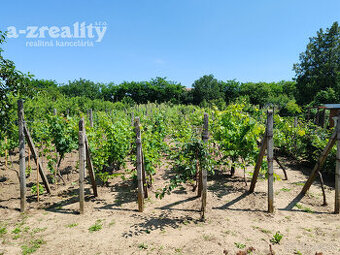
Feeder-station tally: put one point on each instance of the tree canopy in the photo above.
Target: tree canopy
(319, 66)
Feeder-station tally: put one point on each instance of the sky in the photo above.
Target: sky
(182, 40)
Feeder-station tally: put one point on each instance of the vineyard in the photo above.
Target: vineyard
(163, 170)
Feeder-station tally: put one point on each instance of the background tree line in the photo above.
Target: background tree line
(316, 81)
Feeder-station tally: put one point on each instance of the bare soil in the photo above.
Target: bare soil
(235, 220)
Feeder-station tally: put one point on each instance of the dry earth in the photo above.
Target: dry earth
(235, 221)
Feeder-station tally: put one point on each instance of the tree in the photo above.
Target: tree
(12, 83)
(231, 89)
(319, 67)
(82, 87)
(207, 88)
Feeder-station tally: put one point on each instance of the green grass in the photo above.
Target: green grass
(32, 247)
(142, 246)
(240, 245)
(304, 208)
(72, 225)
(96, 227)
(285, 189)
(3, 231)
(37, 230)
(17, 230)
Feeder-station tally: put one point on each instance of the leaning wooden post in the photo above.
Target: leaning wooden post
(270, 155)
(205, 137)
(139, 166)
(6, 154)
(258, 163)
(82, 164)
(22, 156)
(54, 111)
(319, 164)
(337, 169)
(91, 118)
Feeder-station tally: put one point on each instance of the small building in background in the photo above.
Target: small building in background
(334, 112)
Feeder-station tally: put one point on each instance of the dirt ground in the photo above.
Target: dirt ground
(235, 220)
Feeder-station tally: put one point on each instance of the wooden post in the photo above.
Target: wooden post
(322, 118)
(317, 117)
(308, 114)
(22, 156)
(205, 137)
(91, 118)
(132, 118)
(67, 112)
(258, 163)
(82, 164)
(36, 158)
(139, 166)
(90, 168)
(145, 185)
(37, 183)
(337, 169)
(319, 163)
(56, 153)
(6, 154)
(270, 155)
(29, 159)
(295, 122)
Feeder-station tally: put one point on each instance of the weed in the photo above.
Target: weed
(178, 251)
(16, 237)
(240, 245)
(96, 227)
(276, 238)
(112, 222)
(142, 246)
(304, 208)
(72, 225)
(37, 230)
(32, 247)
(297, 252)
(285, 189)
(208, 237)
(17, 230)
(3, 231)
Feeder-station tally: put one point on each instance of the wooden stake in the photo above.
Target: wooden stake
(145, 185)
(258, 163)
(29, 159)
(37, 183)
(82, 164)
(323, 189)
(281, 166)
(270, 154)
(6, 154)
(204, 174)
(91, 118)
(319, 163)
(54, 111)
(337, 169)
(22, 156)
(90, 168)
(36, 158)
(132, 118)
(139, 166)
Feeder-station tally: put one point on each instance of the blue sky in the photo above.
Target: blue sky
(182, 40)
